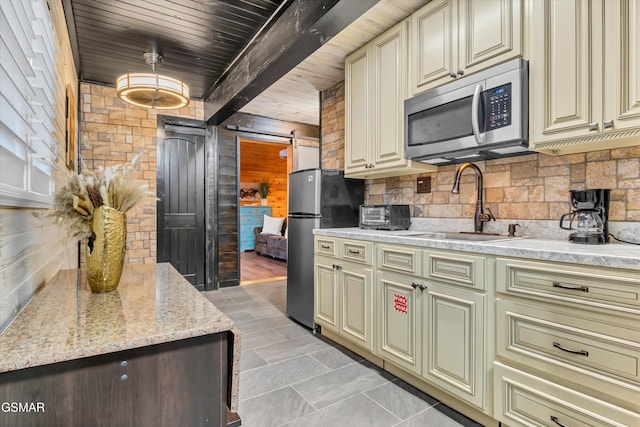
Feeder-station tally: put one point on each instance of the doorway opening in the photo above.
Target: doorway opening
(263, 258)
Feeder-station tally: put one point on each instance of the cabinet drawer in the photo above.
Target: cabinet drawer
(601, 351)
(522, 399)
(400, 258)
(361, 252)
(326, 246)
(569, 283)
(456, 268)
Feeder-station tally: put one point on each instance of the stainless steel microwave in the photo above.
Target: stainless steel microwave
(478, 117)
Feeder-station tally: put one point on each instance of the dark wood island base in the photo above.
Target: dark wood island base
(74, 378)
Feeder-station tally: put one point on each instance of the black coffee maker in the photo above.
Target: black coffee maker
(590, 217)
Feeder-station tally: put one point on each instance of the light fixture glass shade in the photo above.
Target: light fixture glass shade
(150, 90)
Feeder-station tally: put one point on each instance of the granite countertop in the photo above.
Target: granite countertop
(153, 304)
(616, 255)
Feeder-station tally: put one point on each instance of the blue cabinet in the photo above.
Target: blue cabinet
(250, 217)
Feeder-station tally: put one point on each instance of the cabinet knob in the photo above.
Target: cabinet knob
(608, 124)
(416, 285)
(460, 72)
(124, 377)
(452, 75)
(124, 363)
(593, 126)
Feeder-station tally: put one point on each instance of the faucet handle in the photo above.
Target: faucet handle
(488, 215)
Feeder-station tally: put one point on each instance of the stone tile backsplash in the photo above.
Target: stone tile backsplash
(532, 187)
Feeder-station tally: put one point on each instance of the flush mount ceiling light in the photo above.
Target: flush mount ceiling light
(151, 90)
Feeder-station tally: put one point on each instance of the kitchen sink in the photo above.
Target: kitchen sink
(472, 237)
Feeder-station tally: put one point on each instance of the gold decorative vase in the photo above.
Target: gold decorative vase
(105, 249)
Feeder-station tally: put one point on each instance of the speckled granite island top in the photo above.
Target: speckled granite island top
(153, 304)
(616, 255)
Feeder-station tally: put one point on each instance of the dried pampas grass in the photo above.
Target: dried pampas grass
(114, 186)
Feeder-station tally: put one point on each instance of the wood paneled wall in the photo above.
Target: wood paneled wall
(32, 247)
(260, 161)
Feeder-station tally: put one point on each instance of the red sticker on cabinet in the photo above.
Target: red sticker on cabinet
(400, 303)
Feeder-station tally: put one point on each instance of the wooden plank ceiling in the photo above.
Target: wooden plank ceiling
(200, 39)
(197, 38)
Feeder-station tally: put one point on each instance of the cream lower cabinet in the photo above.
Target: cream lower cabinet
(344, 292)
(584, 65)
(399, 320)
(435, 331)
(453, 348)
(432, 328)
(567, 344)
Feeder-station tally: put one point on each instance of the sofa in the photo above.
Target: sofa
(271, 244)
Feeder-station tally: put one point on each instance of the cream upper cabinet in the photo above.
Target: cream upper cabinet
(453, 38)
(375, 90)
(584, 68)
(358, 98)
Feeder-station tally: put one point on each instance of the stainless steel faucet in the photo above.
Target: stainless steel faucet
(480, 216)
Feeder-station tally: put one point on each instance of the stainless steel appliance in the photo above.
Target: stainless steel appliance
(317, 199)
(385, 217)
(479, 117)
(591, 216)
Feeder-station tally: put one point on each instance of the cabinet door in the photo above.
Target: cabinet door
(564, 73)
(389, 53)
(433, 45)
(453, 324)
(357, 102)
(326, 293)
(357, 304)
(489, 31)
(622, 65)
(399, 312)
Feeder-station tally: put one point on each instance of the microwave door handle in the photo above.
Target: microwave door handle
(475, 104)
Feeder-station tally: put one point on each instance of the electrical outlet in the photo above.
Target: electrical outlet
(423, 184)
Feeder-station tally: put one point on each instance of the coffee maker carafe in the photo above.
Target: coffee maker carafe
(590, 215)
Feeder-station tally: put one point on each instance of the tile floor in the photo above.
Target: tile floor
(291, 377)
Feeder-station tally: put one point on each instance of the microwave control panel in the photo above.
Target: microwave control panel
(498, 107)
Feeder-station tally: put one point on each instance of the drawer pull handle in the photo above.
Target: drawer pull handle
(352, 251)
(571, 288)
(325, 246)
(555, 420)
(568, 350)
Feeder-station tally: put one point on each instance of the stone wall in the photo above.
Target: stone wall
(534, 186)
(333, 127)
(113, 132)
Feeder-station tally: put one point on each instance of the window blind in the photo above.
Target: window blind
(28, 149)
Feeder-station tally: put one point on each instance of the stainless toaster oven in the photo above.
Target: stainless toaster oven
(385, 217)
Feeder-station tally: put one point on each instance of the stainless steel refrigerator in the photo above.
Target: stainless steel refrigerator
(317, 199)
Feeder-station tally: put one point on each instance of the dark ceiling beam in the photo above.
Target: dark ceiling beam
(301, 29)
